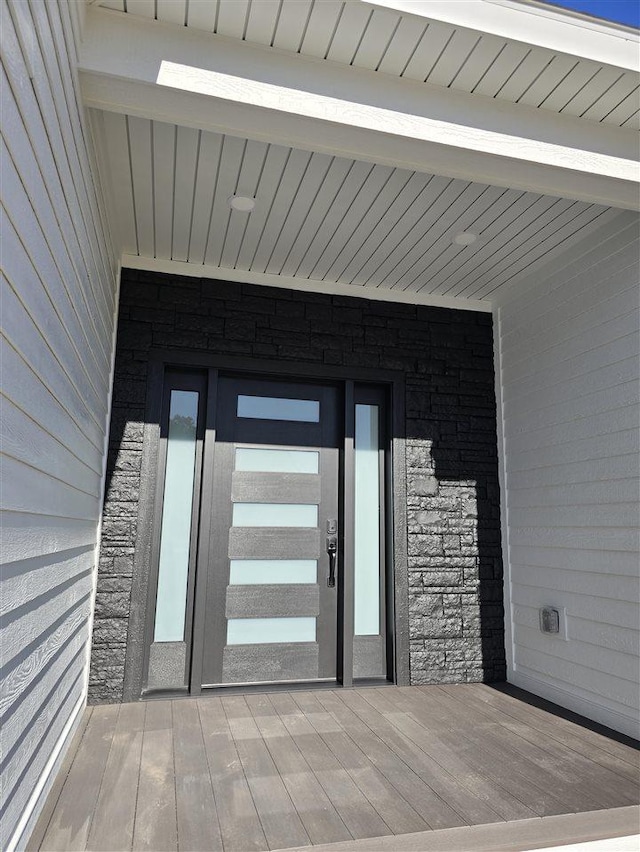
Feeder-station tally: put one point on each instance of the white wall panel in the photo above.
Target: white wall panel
(59, 296)
(569, 382)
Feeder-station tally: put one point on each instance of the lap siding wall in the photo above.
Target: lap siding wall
(569, 351)
(453, 532)
(58, 294)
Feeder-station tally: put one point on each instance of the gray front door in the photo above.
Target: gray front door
(269, 611)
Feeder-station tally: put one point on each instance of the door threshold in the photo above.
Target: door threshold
(280, 686)
(262, 688)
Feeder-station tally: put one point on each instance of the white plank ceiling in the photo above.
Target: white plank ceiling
(407, 46)
(324, 218)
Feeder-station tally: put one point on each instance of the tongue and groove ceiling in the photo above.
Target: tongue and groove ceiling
(405, 45)
(341, 221)
(324, 218)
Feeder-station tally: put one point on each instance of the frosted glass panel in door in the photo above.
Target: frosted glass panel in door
(367, 522)
(277, 461)
(253, 572)
(275, 515)
(255, 631)
(175, 532)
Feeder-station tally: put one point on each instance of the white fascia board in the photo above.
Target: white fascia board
(159, 71)
(301, 285)
(535, 24)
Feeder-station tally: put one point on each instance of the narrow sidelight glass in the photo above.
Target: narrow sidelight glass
(367, 522)
(175, 532)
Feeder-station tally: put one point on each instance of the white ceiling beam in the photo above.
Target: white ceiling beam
(532, 23)
(167, 73)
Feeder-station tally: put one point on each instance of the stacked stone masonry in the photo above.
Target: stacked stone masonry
(456, 619)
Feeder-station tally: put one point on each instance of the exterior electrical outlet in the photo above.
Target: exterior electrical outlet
(549, 620)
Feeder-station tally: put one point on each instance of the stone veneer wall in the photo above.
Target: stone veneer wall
(456, 619)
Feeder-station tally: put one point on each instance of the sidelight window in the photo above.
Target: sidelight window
(175, 536)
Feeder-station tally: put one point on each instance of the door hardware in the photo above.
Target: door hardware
(332, 550)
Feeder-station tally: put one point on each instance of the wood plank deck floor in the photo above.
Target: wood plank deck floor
(289, 769)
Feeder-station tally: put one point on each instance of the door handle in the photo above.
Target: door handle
(332, 550)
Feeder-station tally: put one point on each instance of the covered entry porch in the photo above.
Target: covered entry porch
(259, 771)
(445, 191)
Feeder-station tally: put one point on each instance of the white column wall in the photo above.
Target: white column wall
(569, 381)
(58, 314)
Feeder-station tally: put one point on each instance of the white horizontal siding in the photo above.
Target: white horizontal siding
(58, 310)
(569, 356)
(625, 588)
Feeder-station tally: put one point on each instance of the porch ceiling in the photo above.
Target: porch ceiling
(324, 220)
(361, 179)
(422, 47)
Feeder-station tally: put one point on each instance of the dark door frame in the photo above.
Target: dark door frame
(150, 496)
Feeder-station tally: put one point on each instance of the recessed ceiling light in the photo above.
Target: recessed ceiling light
(242, 203)
(464, 238)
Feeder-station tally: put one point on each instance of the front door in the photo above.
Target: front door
(271, 605)
(268, 562)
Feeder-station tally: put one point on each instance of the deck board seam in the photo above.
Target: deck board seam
(102, 774)
(562, 747)
(374, 765)
(454, 779)
(360, 790)
(399, 757)
(135, 808)
(175, 779)
(480, 773)
(557, 723)
(213, 790)
(346, 768)
(529, 761)
(318, 778)
(309, 769)
(247, 777)
(486, 751)
(60, 783)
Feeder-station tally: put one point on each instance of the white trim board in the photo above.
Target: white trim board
(262, 279)
(41, 790)
(504, 502)
(196, 79)
(513, 836)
